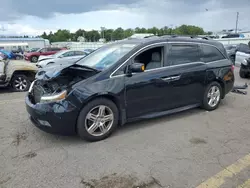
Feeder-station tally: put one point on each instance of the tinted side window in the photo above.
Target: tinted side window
(182, 54)
(210, 54)
(55, 49)
(80, 53)
(244, 48)
(68, 54)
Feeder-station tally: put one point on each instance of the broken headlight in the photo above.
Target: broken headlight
(54, 97)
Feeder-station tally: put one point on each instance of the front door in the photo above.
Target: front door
(144, 91)
(45, 51)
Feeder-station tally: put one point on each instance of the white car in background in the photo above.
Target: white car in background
(60, 56)
(242, 53)
(238, 53)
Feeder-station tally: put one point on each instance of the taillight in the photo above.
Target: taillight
(232, 67)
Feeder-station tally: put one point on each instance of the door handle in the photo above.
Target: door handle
(171, 78)
(175, 77)
(166, 78)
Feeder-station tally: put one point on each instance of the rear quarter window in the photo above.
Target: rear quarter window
(210, 53)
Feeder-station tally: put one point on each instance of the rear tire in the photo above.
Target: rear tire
(242, 73)
(20, 83)
(93, 115)
(212, 96)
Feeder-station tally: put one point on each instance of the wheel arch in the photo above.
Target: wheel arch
(114, 99)
(222, 84)
(30, 74)
(49, 63)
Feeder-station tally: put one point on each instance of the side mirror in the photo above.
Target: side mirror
(60, 56)
(136, 67)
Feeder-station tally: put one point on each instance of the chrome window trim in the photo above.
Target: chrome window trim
(159, 43)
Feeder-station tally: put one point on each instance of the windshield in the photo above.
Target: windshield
(106, 56)
(36, 50)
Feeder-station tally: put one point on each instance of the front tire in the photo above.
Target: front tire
(242, 73)
(212, 96)
(97, 120)
(34, 59)
(20, 83)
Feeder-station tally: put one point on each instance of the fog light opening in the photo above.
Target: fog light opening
(44, 123)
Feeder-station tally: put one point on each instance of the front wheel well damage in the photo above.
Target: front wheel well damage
(29, 74)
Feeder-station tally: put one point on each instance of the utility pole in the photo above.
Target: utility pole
(102, 29)
(237, 18)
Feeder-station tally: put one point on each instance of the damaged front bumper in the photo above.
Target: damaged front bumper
(54, 117)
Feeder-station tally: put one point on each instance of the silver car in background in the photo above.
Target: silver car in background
(61, 56)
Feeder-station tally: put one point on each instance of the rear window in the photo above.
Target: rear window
(210, 53)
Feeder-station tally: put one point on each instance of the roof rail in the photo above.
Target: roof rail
(186, 36)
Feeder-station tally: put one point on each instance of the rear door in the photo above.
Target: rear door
(242, 53)
(186, 75)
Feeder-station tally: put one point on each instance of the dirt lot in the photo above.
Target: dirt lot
(179, 151)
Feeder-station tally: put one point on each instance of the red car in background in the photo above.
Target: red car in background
(33, 56)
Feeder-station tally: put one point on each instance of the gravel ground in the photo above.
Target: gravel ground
(180, 150)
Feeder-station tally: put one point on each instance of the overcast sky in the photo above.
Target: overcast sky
(32, 17)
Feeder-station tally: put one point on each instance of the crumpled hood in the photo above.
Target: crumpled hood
(52, 71)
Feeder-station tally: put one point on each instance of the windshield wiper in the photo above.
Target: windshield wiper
(86, 67)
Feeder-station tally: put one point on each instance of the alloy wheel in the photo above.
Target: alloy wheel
(34, 59)
(99, 120)
(20, 83)
(213, 96)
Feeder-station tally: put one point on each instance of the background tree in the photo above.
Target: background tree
(120, 33)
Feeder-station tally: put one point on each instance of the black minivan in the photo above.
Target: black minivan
(129, 80)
